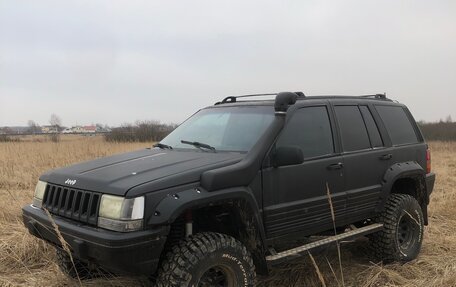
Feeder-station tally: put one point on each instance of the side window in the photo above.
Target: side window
(372, 129)
(398, 124)
(310, 129)
(352, 128)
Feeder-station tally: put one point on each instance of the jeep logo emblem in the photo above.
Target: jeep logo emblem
(70, 181)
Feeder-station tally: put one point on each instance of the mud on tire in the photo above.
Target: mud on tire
(207, 259)
(402, 234)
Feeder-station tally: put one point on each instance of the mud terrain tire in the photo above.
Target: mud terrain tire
(207, 259)
(402, 234)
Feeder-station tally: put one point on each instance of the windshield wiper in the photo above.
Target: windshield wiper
(163, 146)
(199, 145)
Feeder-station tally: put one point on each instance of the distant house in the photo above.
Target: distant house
(80, 130)
(89, 129)
(49, 129)
(76, 129)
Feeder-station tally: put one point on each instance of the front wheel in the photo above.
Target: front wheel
(402, 234)
(207, 259)
(74, 269)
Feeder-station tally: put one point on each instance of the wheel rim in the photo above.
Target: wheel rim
(407, 232)
(219, 275)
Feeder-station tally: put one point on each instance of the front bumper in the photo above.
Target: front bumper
(132, 253)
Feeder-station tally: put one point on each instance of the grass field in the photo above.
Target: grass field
(27, 261)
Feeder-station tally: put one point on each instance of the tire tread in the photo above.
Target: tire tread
(383, 244)
(193, 249)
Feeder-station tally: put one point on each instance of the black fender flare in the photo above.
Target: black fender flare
(409, 169)
(173, 205)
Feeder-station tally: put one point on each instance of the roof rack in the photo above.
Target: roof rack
(376, 96)
(233, 99)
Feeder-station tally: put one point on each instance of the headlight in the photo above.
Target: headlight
(121, 214)
(39, 193)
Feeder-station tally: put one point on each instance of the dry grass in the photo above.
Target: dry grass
(27, 261)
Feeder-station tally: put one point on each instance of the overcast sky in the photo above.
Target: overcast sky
(114, 62)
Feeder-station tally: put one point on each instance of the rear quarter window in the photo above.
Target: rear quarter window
(398, 124)
(372, 129)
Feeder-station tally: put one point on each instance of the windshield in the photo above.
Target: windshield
(225, 129)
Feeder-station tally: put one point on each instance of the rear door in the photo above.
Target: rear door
(365, 159)
(295, 197)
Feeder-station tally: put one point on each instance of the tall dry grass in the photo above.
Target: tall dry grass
(27, 261)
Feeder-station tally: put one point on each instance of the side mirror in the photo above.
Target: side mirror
(287, 155)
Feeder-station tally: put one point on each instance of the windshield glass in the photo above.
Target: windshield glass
(225, 129)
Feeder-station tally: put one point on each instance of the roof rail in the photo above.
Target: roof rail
(376, 96)
(233, 99)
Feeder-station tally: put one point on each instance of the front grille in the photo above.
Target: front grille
(77, 204)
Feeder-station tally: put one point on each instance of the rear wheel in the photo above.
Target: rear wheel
(402, 234)
(207, 259)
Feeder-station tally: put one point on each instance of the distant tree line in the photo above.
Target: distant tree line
(441, 131)
(151, 131)
(6, 138)
(141, 131)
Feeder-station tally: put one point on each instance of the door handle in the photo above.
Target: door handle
(386, 156)
(334, 166)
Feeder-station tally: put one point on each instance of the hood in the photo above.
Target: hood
(145, 170)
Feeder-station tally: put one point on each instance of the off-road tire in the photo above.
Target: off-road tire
(191, 261)
(402, 234)
(77, 270)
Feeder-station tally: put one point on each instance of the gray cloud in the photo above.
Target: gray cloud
(118, 61)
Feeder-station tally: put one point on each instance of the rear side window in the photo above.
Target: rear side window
(352, 128)
(309, 129)
(372, 129)
(398, 124)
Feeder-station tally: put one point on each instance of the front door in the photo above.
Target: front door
(295, 197)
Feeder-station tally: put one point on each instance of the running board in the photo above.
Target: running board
(349, 234)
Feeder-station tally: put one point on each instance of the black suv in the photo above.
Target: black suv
(234, 187)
